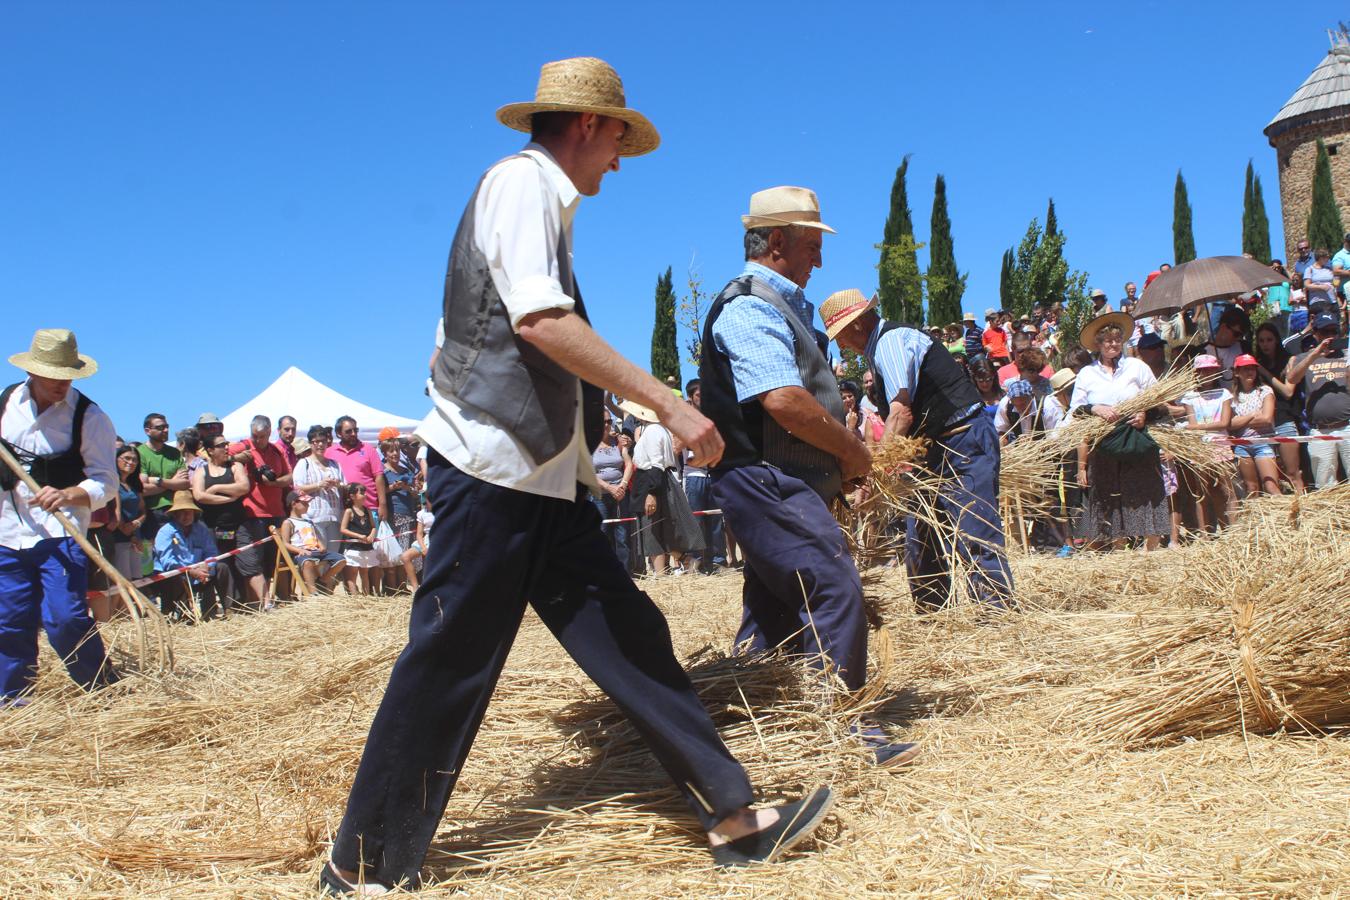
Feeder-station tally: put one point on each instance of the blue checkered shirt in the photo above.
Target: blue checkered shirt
(757, 341)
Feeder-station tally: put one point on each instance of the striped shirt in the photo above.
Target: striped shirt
(898, 356)
(757, 341)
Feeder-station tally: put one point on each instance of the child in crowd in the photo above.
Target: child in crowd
(1210, 409)
(357, 529)
(317, 563)
(1254, 417)
(425, 519)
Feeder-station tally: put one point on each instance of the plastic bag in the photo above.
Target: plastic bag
(387, 546)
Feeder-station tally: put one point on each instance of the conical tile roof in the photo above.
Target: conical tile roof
(1325, 95)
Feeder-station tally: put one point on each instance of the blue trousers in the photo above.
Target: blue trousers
(699, 491)
(968, 462)
(45, 586)
(497, 550)
(616, 533)
(802, 591)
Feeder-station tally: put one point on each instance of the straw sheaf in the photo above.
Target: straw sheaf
(584, 84)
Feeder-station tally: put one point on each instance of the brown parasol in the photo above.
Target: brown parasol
(1202, 280)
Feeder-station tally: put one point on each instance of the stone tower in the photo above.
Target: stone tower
(1320, 108)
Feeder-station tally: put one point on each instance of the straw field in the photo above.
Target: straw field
(1103, 740)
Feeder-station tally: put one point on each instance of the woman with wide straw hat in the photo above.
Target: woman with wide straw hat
(65, 442)
(1123, 498)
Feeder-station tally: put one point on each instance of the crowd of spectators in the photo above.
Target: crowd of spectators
(342, 507)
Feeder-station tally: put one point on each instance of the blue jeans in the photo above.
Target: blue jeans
(45, 586)
(698, 488)
(617, 533)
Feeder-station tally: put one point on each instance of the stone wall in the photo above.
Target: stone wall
(1296, 153)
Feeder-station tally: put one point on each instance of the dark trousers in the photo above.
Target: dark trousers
(616, 533)
(699, 491)
(968, 464)
(802, 590)
(45, 586)
(212, 595)
(496, 550)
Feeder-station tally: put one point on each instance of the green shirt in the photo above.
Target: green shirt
(164, 463)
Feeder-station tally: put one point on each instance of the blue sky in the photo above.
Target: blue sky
(210, 192)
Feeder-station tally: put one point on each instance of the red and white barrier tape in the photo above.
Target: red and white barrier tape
(697, 512)
(1274, 439)
(173, 573)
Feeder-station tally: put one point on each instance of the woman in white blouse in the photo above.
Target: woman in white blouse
(666, 527)
(322, 480)
(1122, 498)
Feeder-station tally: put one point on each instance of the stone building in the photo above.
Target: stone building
(1320, 108)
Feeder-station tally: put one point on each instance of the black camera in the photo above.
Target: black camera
(267, 473)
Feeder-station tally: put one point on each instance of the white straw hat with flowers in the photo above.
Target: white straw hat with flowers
(584, 84)
(55, 354)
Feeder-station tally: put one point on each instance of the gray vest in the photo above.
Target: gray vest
(483, 363)
(794, 456)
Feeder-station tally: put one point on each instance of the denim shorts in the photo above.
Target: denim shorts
(1255, 451)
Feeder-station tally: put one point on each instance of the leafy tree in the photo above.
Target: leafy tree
(898, 267)
(1057, 269)
(854, 365)
(1260, 224)
(1005, 285)
(1183, 238)
(1324, 219)
(1040, 273)
(692, 309)
(945, 283)
(665, 353)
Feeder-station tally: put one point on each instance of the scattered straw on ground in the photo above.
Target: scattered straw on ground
(225, 778)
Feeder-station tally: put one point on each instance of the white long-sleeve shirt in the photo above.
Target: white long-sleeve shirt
(22, 525)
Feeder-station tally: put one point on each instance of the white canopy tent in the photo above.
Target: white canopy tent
(311, 402)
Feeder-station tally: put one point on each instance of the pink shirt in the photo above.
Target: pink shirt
(360, 465)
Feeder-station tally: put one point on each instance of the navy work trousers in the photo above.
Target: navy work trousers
(802, 590)
(46, 585)
(495, 551)
(968, 463)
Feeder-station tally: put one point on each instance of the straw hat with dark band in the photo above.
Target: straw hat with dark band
(584, 84)
(784, 205)
(1088, 336)
(54, 354)
(841, 308)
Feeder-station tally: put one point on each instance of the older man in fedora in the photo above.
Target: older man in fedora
(65, 442)
(517, 388)
(767, 385)
(921, 391)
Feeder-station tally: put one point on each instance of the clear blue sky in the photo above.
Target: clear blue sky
(210, 192)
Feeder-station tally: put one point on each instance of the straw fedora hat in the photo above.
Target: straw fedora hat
(784, 205)
(54, 354)
(183, 500)
(639, 412)
(841, 308)
(1062, 379)
(1088, 336)
(584, 84)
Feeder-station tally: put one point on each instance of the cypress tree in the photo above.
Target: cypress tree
(1052, 247)
(1183, 239)
(898, 269)
(945, 283)
(1006, 294)
(1260, 223)
(665, 352)
(1324, 219)
(1248, 223)
(1051, 221)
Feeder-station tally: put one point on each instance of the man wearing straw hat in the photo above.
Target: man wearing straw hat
(66, 444)
(184, 542)
(921, 391)
(766, 383)
(517, 387)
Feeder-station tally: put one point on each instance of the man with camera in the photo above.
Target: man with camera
(264, 505)
(1326, 383)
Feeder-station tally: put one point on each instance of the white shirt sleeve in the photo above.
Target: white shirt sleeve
(1001, 423)
(96, 447)
(518, 225)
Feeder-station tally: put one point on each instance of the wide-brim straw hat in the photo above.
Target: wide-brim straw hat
(782, 206)
(639, 412)
(584, 84)
(183, 500)
(841, 308)
(1088, 336)
(54, 353)
(1062, 379)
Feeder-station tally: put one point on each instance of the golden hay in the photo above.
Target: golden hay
(225, 778)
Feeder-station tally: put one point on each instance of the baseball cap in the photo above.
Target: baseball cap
(1205, 361)
(1151, 340)
(293, 496)
(1245, 359)
(1326, 322)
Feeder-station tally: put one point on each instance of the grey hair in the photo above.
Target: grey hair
(757, 239)
(259, 423)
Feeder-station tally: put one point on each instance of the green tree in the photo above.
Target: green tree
(1057, 271)
(1260, 224)
(898, 267)
(945, 283)
(1005, 285)
(665, 352)
(1183, 238)
(1248, 219)
(855, 364)
(1040, 274)
(1324, 219)
(692, 310)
